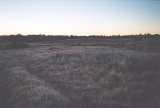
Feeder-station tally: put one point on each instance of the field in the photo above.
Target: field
(80, 73)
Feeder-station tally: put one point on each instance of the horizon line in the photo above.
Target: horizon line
(78, 35)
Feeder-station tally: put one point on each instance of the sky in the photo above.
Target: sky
(79, 17)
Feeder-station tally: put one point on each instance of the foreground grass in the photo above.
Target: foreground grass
(100, 77)
(80, 77)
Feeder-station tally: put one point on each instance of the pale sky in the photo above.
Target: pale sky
(79, 17)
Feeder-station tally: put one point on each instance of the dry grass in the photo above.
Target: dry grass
(100, 78)
(81, 77)
(27, 91)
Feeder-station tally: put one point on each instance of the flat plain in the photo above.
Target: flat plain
(81, 73)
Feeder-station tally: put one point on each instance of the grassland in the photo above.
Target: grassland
(79, 73)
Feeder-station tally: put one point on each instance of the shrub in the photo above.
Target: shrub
(16, 45)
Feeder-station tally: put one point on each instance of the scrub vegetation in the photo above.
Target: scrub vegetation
(81, 72)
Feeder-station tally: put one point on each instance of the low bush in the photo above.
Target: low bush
(16, 46)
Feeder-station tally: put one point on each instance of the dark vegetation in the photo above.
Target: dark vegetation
(39, 71)
(146, 42)
(40, 38)
(15, 45)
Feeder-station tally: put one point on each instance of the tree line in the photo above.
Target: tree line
(40, 38)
